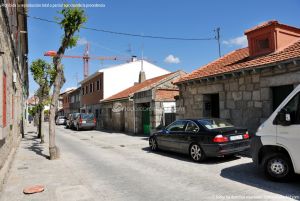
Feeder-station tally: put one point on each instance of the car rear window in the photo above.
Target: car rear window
(61, 117)
(87, 116)
(214, 123)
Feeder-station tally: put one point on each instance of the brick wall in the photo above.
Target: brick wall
(92, 97)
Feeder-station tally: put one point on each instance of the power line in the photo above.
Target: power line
(126, 34)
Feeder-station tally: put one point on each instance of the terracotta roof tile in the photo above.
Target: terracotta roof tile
(131, 90)
(239, 59)
(166, 94)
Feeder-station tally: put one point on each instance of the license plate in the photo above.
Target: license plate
(83, 122)
(236, 137)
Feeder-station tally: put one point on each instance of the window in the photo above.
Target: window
(4, 103)
(214, 123)
(177, 126)
(293, 108)
(97, 113)
(191, 127)
(263, 44)
(98, 85)
(91, 88)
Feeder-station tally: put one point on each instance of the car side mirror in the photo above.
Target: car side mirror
(283, 117)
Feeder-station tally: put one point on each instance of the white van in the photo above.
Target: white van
(276, 146)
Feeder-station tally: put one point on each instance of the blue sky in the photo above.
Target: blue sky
(170, 18)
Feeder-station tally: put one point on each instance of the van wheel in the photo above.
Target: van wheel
(278, 167)
(197, 153)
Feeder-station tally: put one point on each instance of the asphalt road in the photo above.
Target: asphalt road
(121, 167)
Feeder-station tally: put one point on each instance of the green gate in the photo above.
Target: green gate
(146, 121)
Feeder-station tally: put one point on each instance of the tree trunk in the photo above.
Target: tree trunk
(57, 85)
(42, 135)
(40, 123)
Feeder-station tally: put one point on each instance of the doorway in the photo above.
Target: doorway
(279, 93)
(211, 105)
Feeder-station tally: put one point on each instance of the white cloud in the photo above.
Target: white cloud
(240, 41)
(82, 41)
(171, 59)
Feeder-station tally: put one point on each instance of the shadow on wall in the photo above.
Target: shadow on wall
(248, 174)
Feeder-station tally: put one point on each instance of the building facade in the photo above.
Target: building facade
(106, 82)
(13, 79)
(66, 102)
(246, 85)
(142, 108)
(75, 97)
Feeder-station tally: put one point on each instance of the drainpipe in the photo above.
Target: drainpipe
(133, 110)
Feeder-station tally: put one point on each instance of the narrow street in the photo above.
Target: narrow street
(109, 166)
(121, 167)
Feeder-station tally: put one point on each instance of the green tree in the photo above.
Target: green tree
(43, 75)
(71, 22)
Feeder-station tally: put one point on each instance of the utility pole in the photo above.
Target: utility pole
(76, 78)
(217, 37)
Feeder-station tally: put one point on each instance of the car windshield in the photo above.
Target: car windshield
(214, 123)
(87, 116)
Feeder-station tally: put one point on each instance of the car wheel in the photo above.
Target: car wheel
(278, 167)
(196, 153)
(153, 144)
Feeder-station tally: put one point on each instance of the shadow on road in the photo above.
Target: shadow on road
(186, 158)
(247, 174)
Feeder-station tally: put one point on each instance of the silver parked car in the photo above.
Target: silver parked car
(61, 120)
(84, 121)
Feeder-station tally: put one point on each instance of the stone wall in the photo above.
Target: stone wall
(118, 120)
(244, 99)
(16, 93)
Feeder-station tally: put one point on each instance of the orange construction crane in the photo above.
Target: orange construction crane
(86, 58)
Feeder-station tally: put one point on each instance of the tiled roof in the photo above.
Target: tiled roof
(268, 23)
(239, 60)
(166, 94)
(137, 87)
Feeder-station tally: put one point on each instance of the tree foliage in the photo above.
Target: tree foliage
(43, 74)
(71, 22)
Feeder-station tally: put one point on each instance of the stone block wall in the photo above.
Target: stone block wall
(245, 100)
(16, 94)
(120, 121)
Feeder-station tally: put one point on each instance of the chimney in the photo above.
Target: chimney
(133, 59)
(270, 36)
(142, 75)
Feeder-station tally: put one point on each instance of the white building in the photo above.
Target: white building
(109, 81)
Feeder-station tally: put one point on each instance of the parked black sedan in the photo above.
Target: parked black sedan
(201, 138)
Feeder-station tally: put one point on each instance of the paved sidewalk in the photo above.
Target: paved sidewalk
(31, 167)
